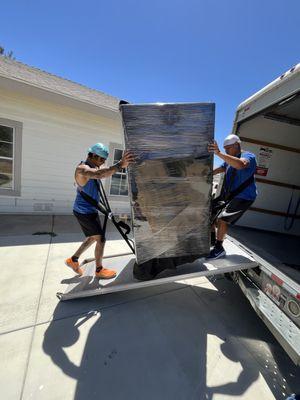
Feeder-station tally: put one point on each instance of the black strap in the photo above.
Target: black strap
(289, 224)
(240, 188)
(103, 200)
(104, 207)
(124, 226)
(93, 202)
(221, 202)
(103, 197)
(226, 187)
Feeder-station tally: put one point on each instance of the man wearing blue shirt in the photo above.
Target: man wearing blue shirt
(238, 166)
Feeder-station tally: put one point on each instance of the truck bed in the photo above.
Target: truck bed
(281, 250)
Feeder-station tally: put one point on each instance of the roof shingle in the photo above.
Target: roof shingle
(18, 71)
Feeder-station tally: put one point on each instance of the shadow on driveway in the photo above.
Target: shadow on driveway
(156, 348)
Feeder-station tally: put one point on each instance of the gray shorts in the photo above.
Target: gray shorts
(234, 210)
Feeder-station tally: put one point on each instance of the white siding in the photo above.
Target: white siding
(54, 140)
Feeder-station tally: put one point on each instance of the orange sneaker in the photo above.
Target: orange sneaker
(105, 273)
(74, 265)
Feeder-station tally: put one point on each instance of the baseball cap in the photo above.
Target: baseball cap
(231, 139)
(99, 149)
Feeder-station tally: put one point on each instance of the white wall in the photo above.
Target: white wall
(284, 167)
(54, 140)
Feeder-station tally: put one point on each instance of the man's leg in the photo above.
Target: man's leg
(72, 262)
(222, 230)
(83, 247)
(218, 249)
(230, 215)
(99, 250)
(101, 272)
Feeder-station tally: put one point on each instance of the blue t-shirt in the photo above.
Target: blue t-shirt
(250, 192)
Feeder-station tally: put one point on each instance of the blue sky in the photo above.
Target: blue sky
(167, 51)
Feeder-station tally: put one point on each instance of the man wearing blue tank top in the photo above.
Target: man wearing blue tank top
(239, 167)
(86, 175)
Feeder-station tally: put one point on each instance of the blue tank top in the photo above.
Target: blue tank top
(80, 204)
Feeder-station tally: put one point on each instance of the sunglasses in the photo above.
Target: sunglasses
(100, 158)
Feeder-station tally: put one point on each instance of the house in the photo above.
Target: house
(47, 123)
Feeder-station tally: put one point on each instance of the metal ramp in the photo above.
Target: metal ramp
(86, 285)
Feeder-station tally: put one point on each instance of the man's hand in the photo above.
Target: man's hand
(127, 159)
(213, 148)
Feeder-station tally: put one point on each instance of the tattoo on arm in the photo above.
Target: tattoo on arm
(95, 173)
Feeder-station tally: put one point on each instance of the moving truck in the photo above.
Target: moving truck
(268, 123)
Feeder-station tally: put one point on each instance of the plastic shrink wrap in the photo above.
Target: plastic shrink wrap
(170, 183)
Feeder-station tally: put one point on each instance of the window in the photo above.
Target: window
(6, 157)
(10, 157)
(118, 184)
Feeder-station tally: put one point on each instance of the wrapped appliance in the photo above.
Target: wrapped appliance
(170, 182)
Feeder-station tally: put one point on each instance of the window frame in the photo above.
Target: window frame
(16, 159)
(113, 147)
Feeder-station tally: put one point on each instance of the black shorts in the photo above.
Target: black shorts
(90, 224)
(234, 210)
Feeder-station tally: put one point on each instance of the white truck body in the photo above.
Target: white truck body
(268, 124)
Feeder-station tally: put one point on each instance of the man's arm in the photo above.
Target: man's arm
(235, 162)
(218, 170)
(97, 173)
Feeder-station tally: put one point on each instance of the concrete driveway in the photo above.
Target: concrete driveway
(197, 339)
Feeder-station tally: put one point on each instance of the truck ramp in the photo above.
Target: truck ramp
(87, 285)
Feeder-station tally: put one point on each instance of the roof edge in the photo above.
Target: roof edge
(57, 92)
(277, 82)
